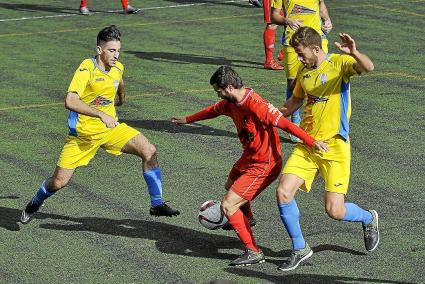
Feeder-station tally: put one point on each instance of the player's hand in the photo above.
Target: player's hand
(321, 146)
(178, 120)
(109, 121)
(327, 26)
(294, 24)
(347, 45)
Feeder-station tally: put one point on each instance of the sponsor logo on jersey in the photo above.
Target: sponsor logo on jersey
(83, 69)
(314, 99)
(298, 9)
(100, 79)
(100, 101)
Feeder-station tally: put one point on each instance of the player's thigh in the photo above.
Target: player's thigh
(255, 178)
(267, 9)
(302, 165)
(77, 152)
(336, 170)
(123, 139)
(290, 62)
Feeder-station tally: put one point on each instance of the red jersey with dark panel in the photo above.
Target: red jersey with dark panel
(255, 126)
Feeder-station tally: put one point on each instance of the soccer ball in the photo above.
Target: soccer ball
(211, 216)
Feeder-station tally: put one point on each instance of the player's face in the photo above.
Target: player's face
(308, 55)
(109, 52)
(224, 93)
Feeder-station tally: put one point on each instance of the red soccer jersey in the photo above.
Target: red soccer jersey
(255, 126)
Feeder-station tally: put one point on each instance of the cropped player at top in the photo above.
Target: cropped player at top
(261, 160)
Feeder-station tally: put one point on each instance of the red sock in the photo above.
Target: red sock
(241, 225)
(124, 4)
(269, 37)
(83, 3)
(247, 211)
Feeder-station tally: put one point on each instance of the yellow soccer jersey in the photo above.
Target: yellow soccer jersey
(96, 88)
(304, 10)
(327, 90)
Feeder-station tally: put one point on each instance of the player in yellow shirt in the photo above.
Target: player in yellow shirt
(97, 86)
(297, 13)
(324, 82)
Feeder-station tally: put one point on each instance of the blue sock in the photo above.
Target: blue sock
(353, 213)
(295, 117)
(290, 216)
(42, 194)
(154, 181)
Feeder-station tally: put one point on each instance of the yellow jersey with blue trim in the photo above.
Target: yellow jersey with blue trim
(306, 11)
(327, 91)
(98, 89)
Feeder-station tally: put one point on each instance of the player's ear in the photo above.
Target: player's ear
(98, 50)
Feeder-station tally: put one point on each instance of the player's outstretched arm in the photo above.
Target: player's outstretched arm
(348, 46)
(178, 120)
(74, 103)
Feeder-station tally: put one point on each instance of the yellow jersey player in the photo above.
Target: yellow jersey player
(324, 82)
(297, 13)
(97, 86)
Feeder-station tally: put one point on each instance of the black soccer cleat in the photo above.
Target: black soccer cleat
(228, 227)
(249, 257)
(163, 210)
(371, 233)
(297, 256)
(29, 211)
(256, 3)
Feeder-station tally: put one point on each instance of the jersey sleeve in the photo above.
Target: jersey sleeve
(347, 66)
(80, 79)
(209, 112)
(298, 91)
(295, 130)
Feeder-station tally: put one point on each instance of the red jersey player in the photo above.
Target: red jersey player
(84, 10)
(261, 161)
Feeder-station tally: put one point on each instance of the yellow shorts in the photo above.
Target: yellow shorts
(333, 166)
(291, 62)
(78, 151)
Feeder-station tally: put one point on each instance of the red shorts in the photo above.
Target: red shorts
(267, 7)
(250, 179)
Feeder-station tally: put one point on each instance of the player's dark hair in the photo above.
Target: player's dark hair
(111, 33)
(226, 76)
(307, 37)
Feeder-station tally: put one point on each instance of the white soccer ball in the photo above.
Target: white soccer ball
(211, 216)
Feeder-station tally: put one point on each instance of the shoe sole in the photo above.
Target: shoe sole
(248, 264)
(301, 260)
(375, 215)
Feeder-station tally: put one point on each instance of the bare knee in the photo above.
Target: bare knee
(284, 195)
(149, 153)
(336, 212)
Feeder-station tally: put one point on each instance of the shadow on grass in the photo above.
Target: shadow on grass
(169, 239)
(184, 58)
(167, 126)
(39, 7)
(305, 278)
(193, 128)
